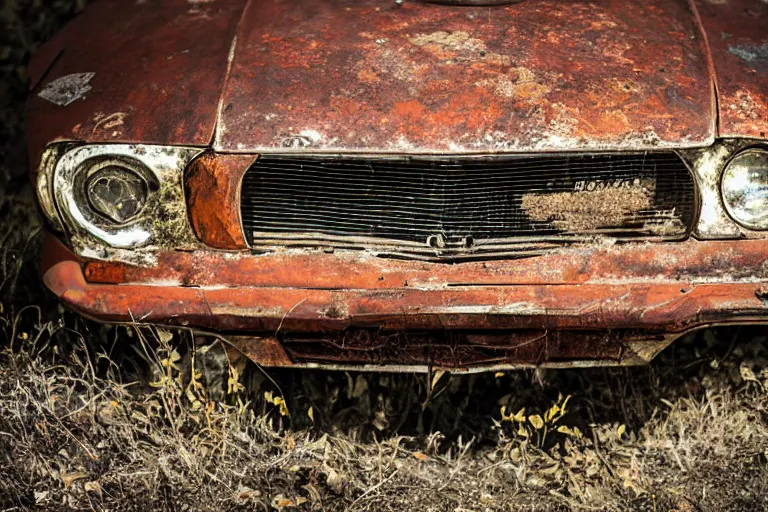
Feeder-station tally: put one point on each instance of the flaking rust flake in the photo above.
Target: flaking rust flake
(67, 89)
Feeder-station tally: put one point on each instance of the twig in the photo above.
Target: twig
(288, 313)
(375, 487)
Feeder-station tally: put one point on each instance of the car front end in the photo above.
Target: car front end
(467, 189)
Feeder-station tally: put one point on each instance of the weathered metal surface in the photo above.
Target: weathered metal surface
(661, 307)
(737, 31)
(213, 199)
(457, 348)
(684, 262)
(708, 165)
(457, 352)
(671, 286)
(43, 180)
(468, 2)
(618, 305)
(158, 71)
(67, 89)
(370, 76)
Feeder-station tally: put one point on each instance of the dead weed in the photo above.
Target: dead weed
(96, 419)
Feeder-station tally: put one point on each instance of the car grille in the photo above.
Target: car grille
(449, 208)
(462, 349)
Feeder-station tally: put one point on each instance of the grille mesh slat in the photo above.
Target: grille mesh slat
(412, 200)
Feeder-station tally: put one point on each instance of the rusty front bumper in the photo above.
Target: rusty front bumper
(592, 305)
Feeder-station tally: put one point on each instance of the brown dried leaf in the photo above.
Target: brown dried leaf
(70, 478)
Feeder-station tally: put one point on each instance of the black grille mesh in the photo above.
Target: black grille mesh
(465, 205)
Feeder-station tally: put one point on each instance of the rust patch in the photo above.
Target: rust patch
(588, 210)
(151, 59)
(459, 349)
(691, 262)
(360, 319)
(266, 351)
(643, 351)
(108, 125)
(212, 184)
(746, 108)
(738, 39)
(519, 84)
(459, 46)
(431, 79)
(459, 41)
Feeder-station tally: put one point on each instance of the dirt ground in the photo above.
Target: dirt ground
(100, 418)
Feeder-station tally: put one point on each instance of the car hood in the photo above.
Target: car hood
(144, 71)
(372, 76)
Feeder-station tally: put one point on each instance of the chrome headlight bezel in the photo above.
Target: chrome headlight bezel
(44, 183)
(163, 221)
(741, 170)
(708, 165)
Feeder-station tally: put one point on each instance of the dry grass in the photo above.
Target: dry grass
(105, 418)
(96, 419)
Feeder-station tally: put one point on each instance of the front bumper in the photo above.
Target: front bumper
(580, 305)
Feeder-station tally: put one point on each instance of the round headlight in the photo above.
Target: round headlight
(745, 188)
(117, 193)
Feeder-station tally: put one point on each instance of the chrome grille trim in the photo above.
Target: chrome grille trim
(475, 206)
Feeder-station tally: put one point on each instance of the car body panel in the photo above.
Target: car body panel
(594, 304)
(544, 75)
(158, 72)
(691, 262)
(737, 31)
(374, 77)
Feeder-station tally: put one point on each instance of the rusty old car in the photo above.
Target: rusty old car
(372, 184)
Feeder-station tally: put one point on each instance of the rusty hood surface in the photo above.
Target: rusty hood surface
(371, 76)
(157, 70)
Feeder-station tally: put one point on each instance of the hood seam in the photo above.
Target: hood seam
(710, 66)
(216, 135)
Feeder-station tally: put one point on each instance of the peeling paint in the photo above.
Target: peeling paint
(755, 55)
(111, 123)
(588, 210)
(67, 89)
(738, 42)
(519, 84)
(164, 101)
(746, 108)
(448, 326)
(707, 165)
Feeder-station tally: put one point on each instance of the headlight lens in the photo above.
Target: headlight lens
(745, 188)
(117, 193)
